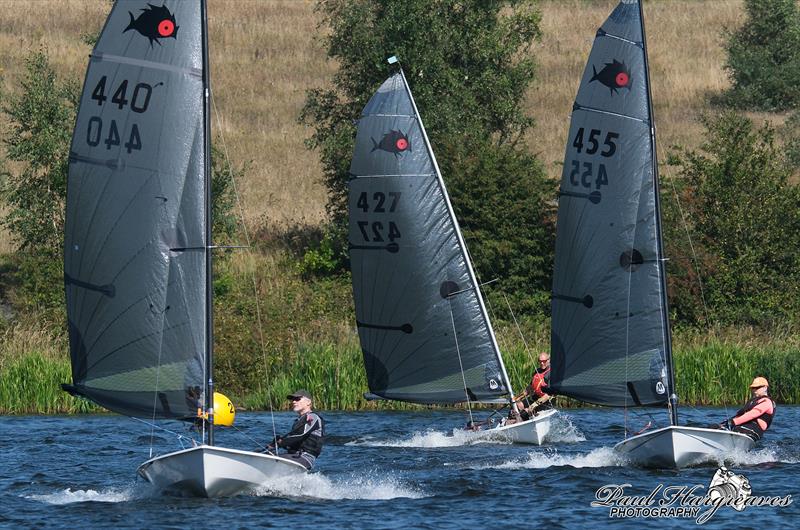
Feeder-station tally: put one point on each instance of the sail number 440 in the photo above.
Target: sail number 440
(109, 133)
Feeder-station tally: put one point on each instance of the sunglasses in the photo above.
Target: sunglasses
(543, 360)
(296, 398)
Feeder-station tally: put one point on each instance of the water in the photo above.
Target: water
(378, 470)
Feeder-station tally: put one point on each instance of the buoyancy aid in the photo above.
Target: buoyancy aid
(307, 435)
(539, 382)
(760, 424)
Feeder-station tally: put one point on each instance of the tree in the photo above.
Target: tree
(469, 64)
(41, 119)
(764, 57)
(743, 214)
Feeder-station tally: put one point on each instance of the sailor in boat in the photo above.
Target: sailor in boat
(534, 398)
(304, 442)
(755, 417)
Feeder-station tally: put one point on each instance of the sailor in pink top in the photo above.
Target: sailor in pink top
(755, 417)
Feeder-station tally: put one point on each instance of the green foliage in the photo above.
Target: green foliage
(322, 260)
(469, 65)
(31, 383)
(223, 198)
(764, 57)
(499, 195)
(41, 120)
(743, 215)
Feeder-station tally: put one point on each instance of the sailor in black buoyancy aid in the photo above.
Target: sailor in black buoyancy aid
(756, 416)
(304, 442)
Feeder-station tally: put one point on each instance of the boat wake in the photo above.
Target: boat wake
(355, 487)
(763, 455)
(68, 496)
(430, 439)
(600, 457)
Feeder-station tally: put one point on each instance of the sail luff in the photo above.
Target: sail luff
(209, 376)
(673, 400)
(461, 242)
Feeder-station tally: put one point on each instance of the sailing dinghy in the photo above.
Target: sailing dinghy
(138, 249)
(610, 341)
(424, 330)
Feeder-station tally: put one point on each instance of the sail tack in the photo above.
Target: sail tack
(134, 250)
(424, 335)
(609, 338)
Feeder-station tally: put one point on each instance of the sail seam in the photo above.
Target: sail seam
(100, 56)
(578, 106)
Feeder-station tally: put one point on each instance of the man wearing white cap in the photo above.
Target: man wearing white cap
(756, 416)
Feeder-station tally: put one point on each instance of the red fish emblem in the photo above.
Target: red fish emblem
(614, 75)
(155, 23)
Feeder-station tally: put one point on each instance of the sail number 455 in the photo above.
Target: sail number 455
(593, 142)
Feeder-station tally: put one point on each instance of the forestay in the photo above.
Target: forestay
(134, 255)
(610, 341)
(424, 332)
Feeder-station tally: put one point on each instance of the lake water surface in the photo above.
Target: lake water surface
(378, 470)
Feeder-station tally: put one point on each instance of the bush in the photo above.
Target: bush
(743, 215)
(41, 120)
(764, 57)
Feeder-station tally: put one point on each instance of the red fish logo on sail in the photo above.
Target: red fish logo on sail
(614, 75)
(394, 142)
(155, 23)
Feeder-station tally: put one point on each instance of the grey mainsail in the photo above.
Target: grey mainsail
(610, 336)
(424, 332)
(135, 264)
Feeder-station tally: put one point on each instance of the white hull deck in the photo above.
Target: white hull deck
(676, 446)
(532, 431)
(207, 471)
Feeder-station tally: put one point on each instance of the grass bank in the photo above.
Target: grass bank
(710, 371)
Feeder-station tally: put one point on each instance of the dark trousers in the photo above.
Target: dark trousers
(297, 457)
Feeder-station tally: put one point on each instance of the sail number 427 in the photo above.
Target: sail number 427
(379, 203)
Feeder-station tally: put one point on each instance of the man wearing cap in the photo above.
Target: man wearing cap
(304, 442)
(756, 416)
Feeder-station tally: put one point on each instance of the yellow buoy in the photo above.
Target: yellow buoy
(224, 412)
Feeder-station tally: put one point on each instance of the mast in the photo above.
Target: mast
(673, 398)
(461, 242)
(209, 390)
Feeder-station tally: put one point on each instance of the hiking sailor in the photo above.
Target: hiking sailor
(535, 398)
(756, 416)
(304, 441)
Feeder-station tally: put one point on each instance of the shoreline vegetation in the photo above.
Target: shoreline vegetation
(711, 370)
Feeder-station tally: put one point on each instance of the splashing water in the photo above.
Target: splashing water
(600, 457)
(68, 496)
(562, 430)
(362, 487)
(430, 439)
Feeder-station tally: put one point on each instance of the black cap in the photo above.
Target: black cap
(299, 394)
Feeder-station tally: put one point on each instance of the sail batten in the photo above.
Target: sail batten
(407, 260)
(136, 191)
(609, 340)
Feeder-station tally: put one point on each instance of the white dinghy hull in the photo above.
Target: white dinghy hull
(676, 446)
(210, 471)
(532, 431)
